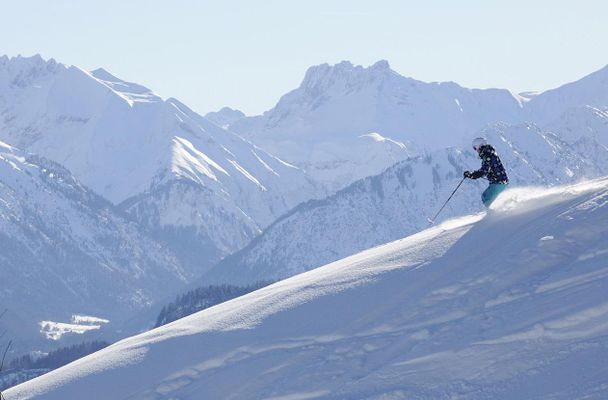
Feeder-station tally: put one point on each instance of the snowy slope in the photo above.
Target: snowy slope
(398, 202)
(325, 125)
(510, 305)
(135, 148)
(65, 251)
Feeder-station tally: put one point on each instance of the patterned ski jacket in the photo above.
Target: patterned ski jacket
(491, 166)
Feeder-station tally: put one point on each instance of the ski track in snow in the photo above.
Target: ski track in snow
(479, 307)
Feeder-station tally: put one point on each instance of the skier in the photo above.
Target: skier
(491, 168)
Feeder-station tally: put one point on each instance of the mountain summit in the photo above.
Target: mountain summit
(345, 73)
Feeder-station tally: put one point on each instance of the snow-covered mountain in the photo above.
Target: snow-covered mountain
(591, 90)
(567, 143)
(178, 173)
(507, 306)
(399, 201)
(69, 257)
(225, 117)
(208, 192)
(347, 122)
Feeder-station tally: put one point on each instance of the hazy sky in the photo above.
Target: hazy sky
(246, 54)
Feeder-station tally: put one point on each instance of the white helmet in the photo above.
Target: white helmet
(478, 142)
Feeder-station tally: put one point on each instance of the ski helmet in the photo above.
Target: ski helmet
(478, 142)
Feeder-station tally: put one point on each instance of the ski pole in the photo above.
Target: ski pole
(432, 221)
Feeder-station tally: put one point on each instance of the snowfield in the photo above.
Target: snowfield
(509, 305)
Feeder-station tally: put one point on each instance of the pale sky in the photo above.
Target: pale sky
(246, 54)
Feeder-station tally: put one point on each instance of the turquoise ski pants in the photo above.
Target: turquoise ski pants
(492, 192)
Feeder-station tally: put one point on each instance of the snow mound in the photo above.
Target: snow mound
(483, 306)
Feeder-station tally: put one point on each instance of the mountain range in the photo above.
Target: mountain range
(180, 175)
(159, 197)
(347, 122)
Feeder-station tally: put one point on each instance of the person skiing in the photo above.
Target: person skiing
(491, 168)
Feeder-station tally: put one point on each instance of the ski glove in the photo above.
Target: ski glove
(467, 174)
